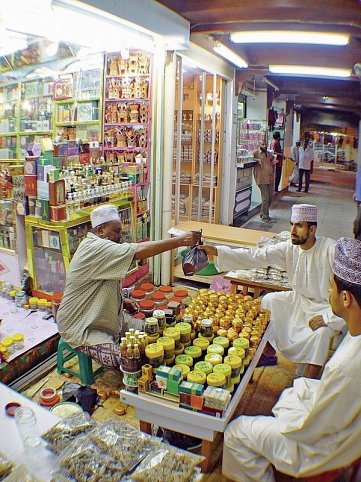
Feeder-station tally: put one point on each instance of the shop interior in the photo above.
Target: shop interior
(163, 125)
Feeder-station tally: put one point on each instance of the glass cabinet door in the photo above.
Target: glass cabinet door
(200, 100)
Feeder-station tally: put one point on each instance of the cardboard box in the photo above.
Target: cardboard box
(30, 167)
(49, 155)
(84, 158)
(45, 210)
(58, 213)
(30, 185)
(43, 171)
(57, 192)
(34, 149)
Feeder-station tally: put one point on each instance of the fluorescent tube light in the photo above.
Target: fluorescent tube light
(290, 36)
(229, 55)
(308, 70)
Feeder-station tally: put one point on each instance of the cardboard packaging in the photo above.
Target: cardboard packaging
(30, 185)
(57, 192)
(58, 213)
(43, 190)
(34, 149)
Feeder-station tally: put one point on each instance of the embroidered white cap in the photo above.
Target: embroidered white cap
(347, 261)
(104, 214)
(304, 212)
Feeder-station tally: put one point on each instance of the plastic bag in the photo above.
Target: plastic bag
(195, 260)
(221, 284)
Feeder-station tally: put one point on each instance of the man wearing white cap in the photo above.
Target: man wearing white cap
(302, 319)
(316, 425)
(90, 317)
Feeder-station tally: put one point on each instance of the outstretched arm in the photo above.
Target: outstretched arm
(152, 248)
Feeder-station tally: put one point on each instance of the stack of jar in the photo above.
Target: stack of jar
(10, 344)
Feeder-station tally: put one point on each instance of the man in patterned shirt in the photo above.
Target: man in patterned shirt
(90, 317)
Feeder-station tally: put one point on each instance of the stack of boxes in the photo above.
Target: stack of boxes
(169, 379)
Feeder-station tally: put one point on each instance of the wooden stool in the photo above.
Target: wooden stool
(86, 373)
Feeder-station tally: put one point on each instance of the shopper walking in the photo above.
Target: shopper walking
(306, 158)
(275, 146)
(91, 315)
(264, 177)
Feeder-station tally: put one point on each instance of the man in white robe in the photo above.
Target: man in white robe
(316, 425)
(302, 322)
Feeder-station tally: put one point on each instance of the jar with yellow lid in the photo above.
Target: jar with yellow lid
(204, 366)
(185, 332)
(20, 298)
(203, 344)
(151, 326)
(185, 369)
(12, 294)
(196, 376)
(206, 329)
(184, 360)
(179, 350)
(168, 344)
(4, 354)
(241, 343)
(194, 351)
(237, 351)
(174, 333)
(216, 380)
(18, 339)
(230, 388)
(236, 363)
(8, 343)
(154, 353)
(226, 370)
(247, 361)
(221, 340)
(213, 358)
(33, 303)
(42, 304)
(216, 349)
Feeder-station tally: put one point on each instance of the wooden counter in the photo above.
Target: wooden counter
(228, 235)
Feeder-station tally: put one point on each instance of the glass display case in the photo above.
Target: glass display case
(197, 160)
(51, 246)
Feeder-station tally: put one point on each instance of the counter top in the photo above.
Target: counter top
(229, 235)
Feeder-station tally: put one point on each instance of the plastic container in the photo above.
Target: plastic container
(196, 376)
(137, 295)
(8, 343)
(195, 352)
(236, 363)
(204, 366)
(237, 351)
(158, 298)
(206, 328)
(18, 339)
(42, 304)
(185, 332)
(146, 307)
(221, 340)
(28, 428)
(168, 344)
(241, 343)
(184, 369)
(66, 409)
(33, 303)
(151, 326)
(148, 288)
(184, 360)
(167, 291)
(174, 333)
(155, 354)
(213, 358)
(203, 344)
(160, 316)
(226, 370)
(216, 349)
(216, 380)
(20, 298)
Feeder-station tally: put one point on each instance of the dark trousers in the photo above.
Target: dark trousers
(278, 175)
(307, 176)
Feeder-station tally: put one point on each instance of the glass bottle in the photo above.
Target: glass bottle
(26, 423)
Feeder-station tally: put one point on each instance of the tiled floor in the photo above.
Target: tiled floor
(336, 208)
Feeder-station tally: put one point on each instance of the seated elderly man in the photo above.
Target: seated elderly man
(90, 317)
(316, 425)
(302, 322)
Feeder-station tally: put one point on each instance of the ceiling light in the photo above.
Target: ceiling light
(308, 70)
(290, 36)
(229, 55)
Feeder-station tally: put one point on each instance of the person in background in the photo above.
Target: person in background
(302, 322)
(294, 180)
(91, 315)
(263, 175)
(316, 425)
(305, 164)
(275, 146)
(357, 226)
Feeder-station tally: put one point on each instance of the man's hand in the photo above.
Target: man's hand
(316, 322)
(131, 306)
(190, 238)
(210, 250)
